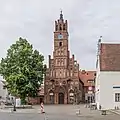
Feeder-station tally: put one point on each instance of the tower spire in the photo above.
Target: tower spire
(61, 15)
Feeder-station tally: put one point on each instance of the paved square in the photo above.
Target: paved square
(58, 112)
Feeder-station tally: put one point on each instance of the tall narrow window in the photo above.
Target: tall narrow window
(64, 27)
(60, 44)
(60, 27)
(56, 28)
(117, 97)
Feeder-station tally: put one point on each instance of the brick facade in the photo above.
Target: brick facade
(62, 84)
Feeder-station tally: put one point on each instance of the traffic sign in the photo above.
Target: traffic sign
(89, 88)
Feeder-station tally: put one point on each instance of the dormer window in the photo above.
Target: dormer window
(90, 81)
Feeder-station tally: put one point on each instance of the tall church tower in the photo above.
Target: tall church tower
(62, 83)
(61, 53)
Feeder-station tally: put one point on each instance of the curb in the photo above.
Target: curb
(115, 112)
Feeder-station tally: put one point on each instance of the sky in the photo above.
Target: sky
(34, 20)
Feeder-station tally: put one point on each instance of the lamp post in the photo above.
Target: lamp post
(14, 104)
(14, 108)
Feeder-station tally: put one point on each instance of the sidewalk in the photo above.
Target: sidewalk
(115, 111)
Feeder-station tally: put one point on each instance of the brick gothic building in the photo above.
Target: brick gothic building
(62, 83)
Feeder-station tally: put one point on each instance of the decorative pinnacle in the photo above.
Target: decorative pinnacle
(61, 11)
(61, 15)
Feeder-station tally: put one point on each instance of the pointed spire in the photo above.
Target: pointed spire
(100, 39)
(98, 45)
(61, 15)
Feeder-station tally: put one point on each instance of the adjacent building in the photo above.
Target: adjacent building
(108, 76)
(39, 98)
(62, 84)
(3, 91)
(88, 78)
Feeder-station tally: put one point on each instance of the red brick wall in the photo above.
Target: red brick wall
(36, 100)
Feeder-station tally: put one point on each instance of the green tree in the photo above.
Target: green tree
(23, 69)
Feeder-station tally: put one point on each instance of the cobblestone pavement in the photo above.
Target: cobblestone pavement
(59, 112)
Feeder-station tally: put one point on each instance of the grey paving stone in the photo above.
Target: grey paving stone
(59, 112)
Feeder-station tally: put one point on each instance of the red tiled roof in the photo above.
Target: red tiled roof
(86, 75)
(109, 57)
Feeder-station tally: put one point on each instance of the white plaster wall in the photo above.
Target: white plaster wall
(106, 93)
(97, 85)
(3, 92)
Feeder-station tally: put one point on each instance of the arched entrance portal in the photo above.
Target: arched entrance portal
(61, 98)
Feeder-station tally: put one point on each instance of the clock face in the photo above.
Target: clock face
(60, 36)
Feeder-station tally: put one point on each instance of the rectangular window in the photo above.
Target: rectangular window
(117, 97)
(90, 81)
(60, 44)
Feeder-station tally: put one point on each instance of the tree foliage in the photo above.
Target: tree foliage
(23, 69)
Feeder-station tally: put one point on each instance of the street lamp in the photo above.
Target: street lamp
(14, 106)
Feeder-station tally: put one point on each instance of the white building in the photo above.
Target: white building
(3, 92)
(107, 86)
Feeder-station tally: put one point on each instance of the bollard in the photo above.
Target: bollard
(103, 112)
(78, 112)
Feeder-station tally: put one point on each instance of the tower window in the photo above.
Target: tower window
(60, 27)
(60, 43)
(56, 28)
(64, 27)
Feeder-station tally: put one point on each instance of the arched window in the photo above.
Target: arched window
(60, 44)
(51, 97)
